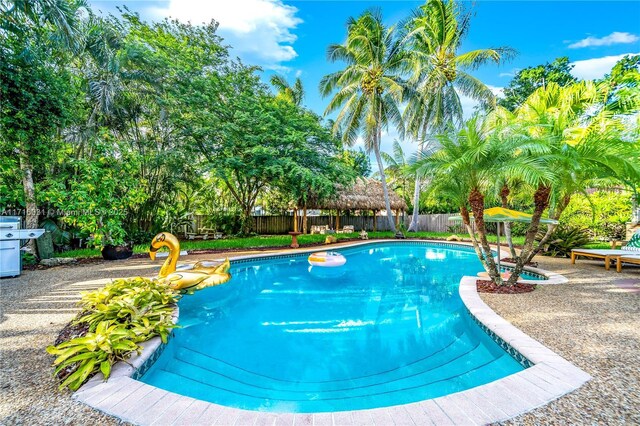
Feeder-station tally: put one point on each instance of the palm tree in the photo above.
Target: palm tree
(102, 66)
(62, 15)
(433, 36)
(464, 170)
(293, 94)
(369, 90)
(465, 156)
(550, 146)
(397, 166)
(584, 150)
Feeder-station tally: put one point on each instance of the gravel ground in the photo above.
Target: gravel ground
(591, 321)
(594, 322)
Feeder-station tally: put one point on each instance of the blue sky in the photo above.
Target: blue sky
(291, 37)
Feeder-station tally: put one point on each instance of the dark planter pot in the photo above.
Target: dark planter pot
(400, 235)
(110, 252)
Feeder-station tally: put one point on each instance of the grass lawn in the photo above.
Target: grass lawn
(598, 245)
(266, 241)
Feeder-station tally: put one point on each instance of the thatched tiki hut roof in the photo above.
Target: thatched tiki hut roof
(364, 194)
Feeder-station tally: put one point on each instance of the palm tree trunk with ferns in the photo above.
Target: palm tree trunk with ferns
(413, 226)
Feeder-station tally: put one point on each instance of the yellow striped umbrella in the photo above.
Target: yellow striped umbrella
(500, 214)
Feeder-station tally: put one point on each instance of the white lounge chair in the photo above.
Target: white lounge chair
(319, 229)
(632, 249)
(348, 229)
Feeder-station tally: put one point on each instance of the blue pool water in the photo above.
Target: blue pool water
(387, 328)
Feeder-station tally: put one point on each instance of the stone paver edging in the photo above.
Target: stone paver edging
(550, 377)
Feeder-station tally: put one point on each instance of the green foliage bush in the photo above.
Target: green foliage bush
(563, 239)
(28, 258)
(140, 236)
(60, 237)
(604, 214)
(118, 316)
(227, 223)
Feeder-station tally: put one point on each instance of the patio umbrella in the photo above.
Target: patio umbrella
(500, 214)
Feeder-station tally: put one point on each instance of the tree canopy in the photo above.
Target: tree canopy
(527, 80)
(117, 121)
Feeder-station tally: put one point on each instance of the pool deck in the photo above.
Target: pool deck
(41, 298)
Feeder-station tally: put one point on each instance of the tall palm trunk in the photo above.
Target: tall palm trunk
(383, 178)
(413, 226)
(550, 228)
(476, 200)
(31, 214)
(466, 220)
(541, 202)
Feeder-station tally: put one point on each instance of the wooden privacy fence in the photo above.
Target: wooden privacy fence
(283, 224)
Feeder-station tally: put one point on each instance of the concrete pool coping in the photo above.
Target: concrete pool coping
(550, 377)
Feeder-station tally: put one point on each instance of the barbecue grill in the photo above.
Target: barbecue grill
(10, 238)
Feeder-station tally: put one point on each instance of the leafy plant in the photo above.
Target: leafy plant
(28, 258)
(227, 223)
(59, 236)
(456, 229)
(176, 222)
(604, 213)
(82, 357)
(563, 239)
(119, 316)
(614, 231)
(139, 236)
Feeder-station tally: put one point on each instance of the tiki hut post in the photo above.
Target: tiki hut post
(337, 219)
(304, 219)
(397, 217)
(375, 221)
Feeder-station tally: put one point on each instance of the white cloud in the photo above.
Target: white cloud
(497, 91)
(260, 31)
(613, 38)
(590, 69)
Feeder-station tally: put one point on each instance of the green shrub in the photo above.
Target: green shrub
(457, 229)
(140, 236)
(119, 316)
(520, 228)
(60, 237)
(604, 214)
(563, 239)
(227, 223)
(28, 258)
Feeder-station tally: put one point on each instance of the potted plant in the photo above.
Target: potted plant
(107, 233)
(111, 235)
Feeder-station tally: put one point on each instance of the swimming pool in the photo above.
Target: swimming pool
(387, 328)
